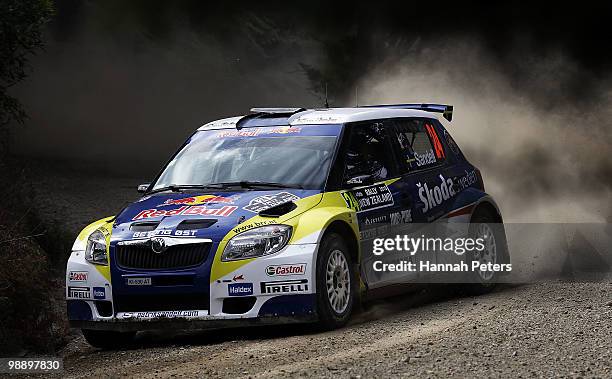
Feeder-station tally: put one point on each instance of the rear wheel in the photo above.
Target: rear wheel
(483, 227)
(336, 282)
(108, 339)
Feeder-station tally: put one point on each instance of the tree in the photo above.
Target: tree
(21, 29)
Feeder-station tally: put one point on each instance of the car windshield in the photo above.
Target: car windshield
(292, 156)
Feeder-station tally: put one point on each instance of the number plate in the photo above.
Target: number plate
(138, 281)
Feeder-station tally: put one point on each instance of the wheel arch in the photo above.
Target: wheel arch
(488, 205)
(348, 234)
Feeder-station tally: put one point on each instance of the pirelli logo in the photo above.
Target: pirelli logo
(284, 286)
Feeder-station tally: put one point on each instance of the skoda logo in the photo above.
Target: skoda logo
(158, 245)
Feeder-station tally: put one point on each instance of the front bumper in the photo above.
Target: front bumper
(248, 295)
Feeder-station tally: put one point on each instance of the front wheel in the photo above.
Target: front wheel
(108, 339)
(336, 282)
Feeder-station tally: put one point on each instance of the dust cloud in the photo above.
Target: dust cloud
(543, 152)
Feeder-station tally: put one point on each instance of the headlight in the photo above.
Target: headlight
(257, 242)
(95, 251)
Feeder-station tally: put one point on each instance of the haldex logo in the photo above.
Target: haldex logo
(240, 289)
(99, 293)
(432, 197)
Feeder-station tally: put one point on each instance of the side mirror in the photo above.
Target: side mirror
(360, 180)
(143, 187)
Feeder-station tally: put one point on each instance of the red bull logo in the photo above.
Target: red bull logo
(199, 200)
(185, 210)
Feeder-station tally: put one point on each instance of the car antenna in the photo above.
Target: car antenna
(326, 101)
(356, 97)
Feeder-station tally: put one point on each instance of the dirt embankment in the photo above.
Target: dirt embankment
(32, 317)
(43, 206)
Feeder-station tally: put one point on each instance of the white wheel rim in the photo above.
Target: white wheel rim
(338, 281)
(489, 253)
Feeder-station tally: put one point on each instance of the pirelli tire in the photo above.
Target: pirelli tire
(336, 283)
(108, 340)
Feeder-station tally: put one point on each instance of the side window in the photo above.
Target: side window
(368, 156)
(419, 144)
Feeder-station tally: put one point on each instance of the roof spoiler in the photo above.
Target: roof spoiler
(446, 110)
(267, 112)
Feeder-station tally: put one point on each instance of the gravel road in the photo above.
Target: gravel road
(543, 330)
(546, 330)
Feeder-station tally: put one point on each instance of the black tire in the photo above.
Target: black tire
(108, 339)
(329, 318)
(477, 284)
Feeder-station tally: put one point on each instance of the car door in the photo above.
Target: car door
(432, 184)
(372, 187)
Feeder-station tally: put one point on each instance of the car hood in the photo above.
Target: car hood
(206, 214)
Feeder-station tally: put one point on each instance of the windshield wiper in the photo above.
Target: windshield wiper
(182, 187)
(256, 184)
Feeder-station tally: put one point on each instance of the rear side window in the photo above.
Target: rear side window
(419, 144)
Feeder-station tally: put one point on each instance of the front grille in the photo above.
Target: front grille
(161, 302)
(141, 257)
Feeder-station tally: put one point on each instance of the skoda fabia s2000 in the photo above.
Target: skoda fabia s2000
(262, 219)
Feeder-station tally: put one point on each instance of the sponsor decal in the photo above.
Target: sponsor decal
(288, 269)
(369, 198)
(138, 281)
(165, 232)
(236, 278)
(79, 292)
(261, 203)
(285, 130)
(256, 224)
(351, 201)
(99, 293)
(432, 197)
(451, 142)
(435, 140)
(254, 132)
(239, 133)
(240, 289)
(199, 200)
(78, 276)
(401, 217)
(198, 210)
(466, 180)
(161, 314)
(424, 159)
(376, 220)
(285, 286)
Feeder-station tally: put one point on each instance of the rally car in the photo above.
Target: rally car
(262, 219)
